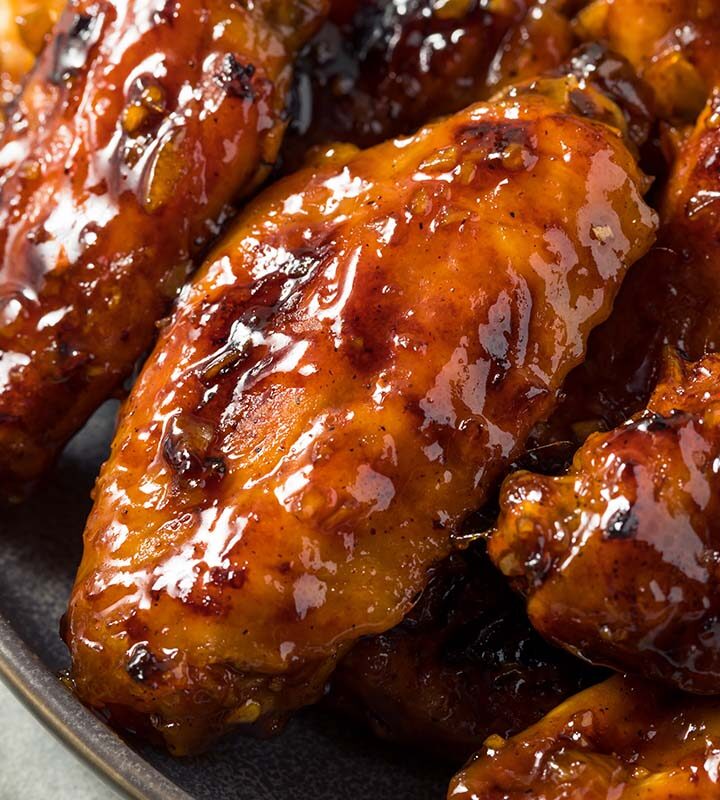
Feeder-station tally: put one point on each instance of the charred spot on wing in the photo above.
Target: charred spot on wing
(494, 134)
(239, 339)
(141, 665)
(654, 424)
(185, 450)
(72, 47)
(236, 78)
(622, 525)
(615, 77)
(232, 577)
(584, 104)
(496, 139)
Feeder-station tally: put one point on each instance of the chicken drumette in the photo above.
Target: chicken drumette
(347, 376)
(619, 558)
(668, 300)
(139, 125)
(622, 739)
(465, 663)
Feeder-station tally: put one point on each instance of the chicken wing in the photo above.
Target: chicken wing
(380, 68)
(620, 557)
(668, 300)
(346, 378)
(464, 664)
(140, 124)
(623, 739)
(674, 45)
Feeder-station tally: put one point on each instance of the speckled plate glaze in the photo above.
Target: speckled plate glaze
(319, 756)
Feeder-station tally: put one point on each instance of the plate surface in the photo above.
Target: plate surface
(319, 756)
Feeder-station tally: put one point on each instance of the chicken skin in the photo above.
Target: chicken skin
(464, 664)
(623, 739)
(619, 558)
(668, 300)
(673, 44)
(381, 68)
(139, 125)
(24, 26)
(343, 381)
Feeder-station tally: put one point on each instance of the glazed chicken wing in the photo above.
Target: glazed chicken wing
(380, 68)
(620, 558)
(140, 124)
(464, 664)
(632, 603)
(345, 379)
(670, 299)
(623, 739)
(674, 45)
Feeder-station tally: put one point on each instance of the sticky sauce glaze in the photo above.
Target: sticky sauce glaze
(671, 43)
(623, 739)
(464, 664)
(342, 382)
(668, 300)
(381, 68)
(620, 558)
(141, 122)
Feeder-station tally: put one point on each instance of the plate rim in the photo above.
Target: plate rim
(82, 732)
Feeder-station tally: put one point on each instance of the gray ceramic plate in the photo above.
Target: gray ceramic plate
(317, 758)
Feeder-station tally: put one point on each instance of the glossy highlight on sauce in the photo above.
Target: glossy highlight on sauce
(139, 126)
(623, 739)
(619, 558)
(343, 381)
(668, 300)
